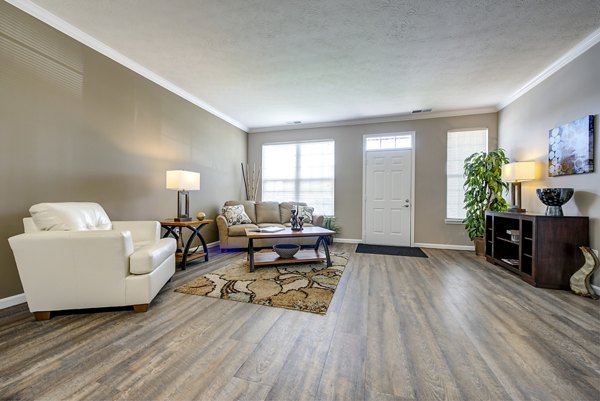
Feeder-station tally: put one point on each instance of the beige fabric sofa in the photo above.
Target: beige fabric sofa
(262, 214)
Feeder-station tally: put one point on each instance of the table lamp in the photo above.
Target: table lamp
(183, 181)
(516, 173)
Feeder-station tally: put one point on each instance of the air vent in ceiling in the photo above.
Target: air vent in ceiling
(421, 111)
(293, 122)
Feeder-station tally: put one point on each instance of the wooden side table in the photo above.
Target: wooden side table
(175, 229)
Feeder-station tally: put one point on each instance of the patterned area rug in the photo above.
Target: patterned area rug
(308, 287)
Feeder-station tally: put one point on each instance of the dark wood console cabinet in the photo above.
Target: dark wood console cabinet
(546, 252)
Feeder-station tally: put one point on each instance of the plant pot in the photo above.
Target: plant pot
(479, 246)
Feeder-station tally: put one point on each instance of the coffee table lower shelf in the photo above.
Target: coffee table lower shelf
(303, 255)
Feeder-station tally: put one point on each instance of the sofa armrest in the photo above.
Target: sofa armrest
(223, 228)
(140, 230)
(318, 220)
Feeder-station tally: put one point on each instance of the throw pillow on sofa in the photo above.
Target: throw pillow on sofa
(306, 212)
(235, 215)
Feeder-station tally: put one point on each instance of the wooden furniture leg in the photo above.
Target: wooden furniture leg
(251, 253)
(140, 308)
(46, 315)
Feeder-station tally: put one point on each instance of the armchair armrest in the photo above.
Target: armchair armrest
(140, 230)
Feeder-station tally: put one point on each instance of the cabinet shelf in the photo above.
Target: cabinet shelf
(547, 252)
(507, 240)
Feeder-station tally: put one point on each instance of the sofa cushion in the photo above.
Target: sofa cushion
(306, 212)
(249, 208)
(70, 216)
(235, 215)
(267, 212)
(285, 210)
(239, 230)
(149, 257)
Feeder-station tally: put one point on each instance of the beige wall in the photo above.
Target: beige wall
(571, 93)
(77, 126)
(430, 170)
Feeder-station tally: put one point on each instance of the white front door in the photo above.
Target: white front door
(387, 197)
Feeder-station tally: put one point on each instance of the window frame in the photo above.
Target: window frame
(297, 169)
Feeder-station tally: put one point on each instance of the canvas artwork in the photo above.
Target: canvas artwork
(571, 148)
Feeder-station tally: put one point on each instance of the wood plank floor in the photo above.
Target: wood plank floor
(448, 327)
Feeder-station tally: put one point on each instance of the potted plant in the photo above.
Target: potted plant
(330, 224)
(483, 191)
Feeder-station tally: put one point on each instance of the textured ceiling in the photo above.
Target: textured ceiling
(266, 62)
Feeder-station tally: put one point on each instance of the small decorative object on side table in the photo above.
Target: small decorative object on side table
(183, 256)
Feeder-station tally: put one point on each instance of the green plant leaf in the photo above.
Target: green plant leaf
(483, 189)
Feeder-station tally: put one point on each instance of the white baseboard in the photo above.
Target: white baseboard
(213, 244)
(445, 246)
(12, 301)
(347, 241)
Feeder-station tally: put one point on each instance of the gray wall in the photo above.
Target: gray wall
(430, 170)
(571, 93)
(77, 126)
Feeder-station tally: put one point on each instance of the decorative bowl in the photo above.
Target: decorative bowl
(286, 251)
(554, 198)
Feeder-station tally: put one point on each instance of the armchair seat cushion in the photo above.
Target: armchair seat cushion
(150, 257)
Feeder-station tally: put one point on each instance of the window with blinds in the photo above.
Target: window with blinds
(301, 172)
(461, 144)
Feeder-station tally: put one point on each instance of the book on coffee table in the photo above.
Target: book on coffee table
(271, 229)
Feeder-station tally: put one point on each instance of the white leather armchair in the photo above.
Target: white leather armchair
(72, 256)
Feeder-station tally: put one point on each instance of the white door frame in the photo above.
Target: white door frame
(412, 181)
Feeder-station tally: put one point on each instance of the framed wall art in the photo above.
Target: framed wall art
(571, 148)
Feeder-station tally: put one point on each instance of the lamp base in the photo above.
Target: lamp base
(516, 209)
(182, 219)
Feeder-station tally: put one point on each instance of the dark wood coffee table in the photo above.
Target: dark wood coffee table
(303, 255)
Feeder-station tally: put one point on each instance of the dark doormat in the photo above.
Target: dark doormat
(391, 250)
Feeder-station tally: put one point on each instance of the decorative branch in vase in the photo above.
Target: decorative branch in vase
(251, 180)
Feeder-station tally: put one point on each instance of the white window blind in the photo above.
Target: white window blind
(301, 172)
(461, 144)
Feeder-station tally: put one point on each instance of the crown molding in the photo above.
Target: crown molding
(565, 59)
(374, 120)
(61, 25)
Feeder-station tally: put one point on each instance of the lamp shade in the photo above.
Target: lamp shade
(518, 172)
(182, 180)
